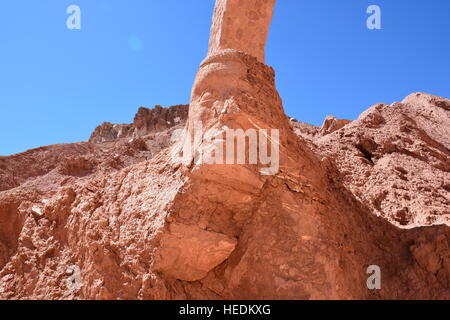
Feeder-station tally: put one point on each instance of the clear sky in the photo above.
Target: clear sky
(57, 85)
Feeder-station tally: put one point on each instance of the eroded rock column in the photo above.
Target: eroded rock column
(227, 89)
(233, 89)
(241, 25)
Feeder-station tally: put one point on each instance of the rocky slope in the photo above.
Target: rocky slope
(395, 159)
(133, 215)
(139, 226)
(110, 147)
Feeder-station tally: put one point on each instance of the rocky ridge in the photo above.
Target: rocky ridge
(146, 121)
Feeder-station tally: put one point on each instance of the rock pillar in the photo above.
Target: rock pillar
(241, 25)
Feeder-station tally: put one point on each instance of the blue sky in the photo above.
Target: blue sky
(57, 85)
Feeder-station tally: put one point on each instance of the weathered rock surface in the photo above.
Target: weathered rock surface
(396, 159)
(138, 224)
(189, 252)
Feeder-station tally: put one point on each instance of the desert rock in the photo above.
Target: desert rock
(141, 224)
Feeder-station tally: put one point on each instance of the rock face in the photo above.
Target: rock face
(138, 223)
(189, 252)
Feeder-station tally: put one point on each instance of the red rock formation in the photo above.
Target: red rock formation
(141, 225)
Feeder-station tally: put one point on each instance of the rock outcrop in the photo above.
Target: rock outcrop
(332, 124)
(146, 121)
(143, 223)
